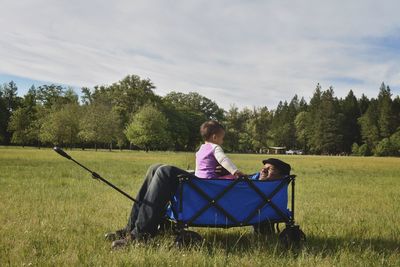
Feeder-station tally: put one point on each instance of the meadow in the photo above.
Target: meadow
(53, 214)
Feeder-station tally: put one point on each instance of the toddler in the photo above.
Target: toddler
(211, 155)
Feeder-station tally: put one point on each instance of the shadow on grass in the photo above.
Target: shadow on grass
(315, 245)
(331, 245)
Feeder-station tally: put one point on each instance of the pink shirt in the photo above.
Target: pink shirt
(208, 158)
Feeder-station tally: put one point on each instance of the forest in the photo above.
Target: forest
(128, 114)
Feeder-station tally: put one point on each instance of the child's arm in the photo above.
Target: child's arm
(225, 161)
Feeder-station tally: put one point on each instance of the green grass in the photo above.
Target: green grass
(53, 214)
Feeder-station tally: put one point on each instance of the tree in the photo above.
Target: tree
(355, 149)
(395, 141)
(350, 127)
(236, 129)
(396, 112)
(20, 126)
(185, 113)
(9, 102)
(24, 123)
(283, 130)
(369, 125)
(61, 126)
(127, 96)
(12, 101)
(50, 95)
(183, 127)
(149, 129)
(302, 123)
(3, 117)
(327, 137)
(86, 97)
(258, 128)
(363, 104)
(385, 148)
(385, 119)
(196, 103)
(99, 124)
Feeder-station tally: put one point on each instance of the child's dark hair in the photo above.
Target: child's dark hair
(208, 128)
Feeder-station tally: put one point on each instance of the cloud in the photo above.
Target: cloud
(248, 53)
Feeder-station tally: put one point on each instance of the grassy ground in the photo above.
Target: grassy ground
(53, 214)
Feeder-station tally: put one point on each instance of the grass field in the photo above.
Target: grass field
(53, 214)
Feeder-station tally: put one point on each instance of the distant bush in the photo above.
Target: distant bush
(389, 146)
(355, 149)
(384, 148)
(364, 150)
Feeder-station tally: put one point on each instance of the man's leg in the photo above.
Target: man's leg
(135, 207)
(140, 196)
(160, 190)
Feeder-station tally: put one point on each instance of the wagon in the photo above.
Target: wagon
(226, 203)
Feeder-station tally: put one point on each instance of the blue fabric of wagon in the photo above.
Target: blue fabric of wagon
(240, 201)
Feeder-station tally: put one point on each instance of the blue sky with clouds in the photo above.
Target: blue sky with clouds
(247, 53)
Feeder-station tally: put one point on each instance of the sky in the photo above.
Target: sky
(244, 53)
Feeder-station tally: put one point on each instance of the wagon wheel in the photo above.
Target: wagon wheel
(292, 237)
(187, 238)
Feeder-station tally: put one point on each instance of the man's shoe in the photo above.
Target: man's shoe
(123, 242)
(120, 243)
(112, 236)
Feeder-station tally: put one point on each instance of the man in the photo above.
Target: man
(160, 184)
(272, 169)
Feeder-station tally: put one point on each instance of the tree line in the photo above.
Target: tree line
(128, 114)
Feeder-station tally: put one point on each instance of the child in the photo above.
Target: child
(211, 155)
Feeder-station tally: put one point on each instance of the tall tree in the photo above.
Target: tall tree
(149, 129)
(128, 95)
(50, 95)
(196, 103)
(303, 130)
(99, 124)
(19, 125)
(326, 137)
(385, 119)
(183, 126)
(235, 122)
(350, 126)
(3, 117)
(61, 126)
(283, 129)
(369, 125)
(396, 113)
(23, 120)
(363, 104)
(258, 128)
(9, 103)
(86, 96)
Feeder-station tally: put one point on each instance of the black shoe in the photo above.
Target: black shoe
(123, 242)
(119, 234)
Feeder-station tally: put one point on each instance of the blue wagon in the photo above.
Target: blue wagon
(233, 203)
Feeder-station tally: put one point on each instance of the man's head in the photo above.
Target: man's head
(274, 169)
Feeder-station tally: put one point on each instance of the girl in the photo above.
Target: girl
(211, 155)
